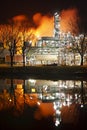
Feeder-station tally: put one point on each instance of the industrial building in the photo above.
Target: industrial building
(54, 50)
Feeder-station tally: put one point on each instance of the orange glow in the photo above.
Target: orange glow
(31, 99)
(45, 109)
(45, 25)
(20, 18)
(37, 19)
(69, 20)
(71, 112)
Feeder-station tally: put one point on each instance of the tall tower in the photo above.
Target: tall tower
(56, 25)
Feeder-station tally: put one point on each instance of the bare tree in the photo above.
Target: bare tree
(13, 40)
(6, 39)
(81, 40)
(26, 37)
(81, 46)
(78, 28)
(4, 34)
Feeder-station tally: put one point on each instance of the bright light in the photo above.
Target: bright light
(10, 100)
(58, 112)
(33, 90)
(38, 103)
(82, 105)
(57, 122)
(32, 80)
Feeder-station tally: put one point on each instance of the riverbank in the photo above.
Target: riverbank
(46, 72)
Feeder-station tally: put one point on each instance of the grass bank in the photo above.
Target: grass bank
(48, 72)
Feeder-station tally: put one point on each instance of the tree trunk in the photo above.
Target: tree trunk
(23, 58)
(11, 61)
(81, 60)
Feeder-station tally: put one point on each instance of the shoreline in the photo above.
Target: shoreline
(45, 72)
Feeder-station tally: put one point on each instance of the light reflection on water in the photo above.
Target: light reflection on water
(62, 99)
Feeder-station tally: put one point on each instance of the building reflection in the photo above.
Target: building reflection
(63, 95)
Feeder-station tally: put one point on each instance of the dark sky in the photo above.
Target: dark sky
(11, 8)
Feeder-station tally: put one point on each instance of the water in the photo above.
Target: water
(30, 104)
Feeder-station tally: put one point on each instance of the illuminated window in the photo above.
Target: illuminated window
(33, 90)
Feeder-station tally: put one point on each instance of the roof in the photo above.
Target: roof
(3, 52)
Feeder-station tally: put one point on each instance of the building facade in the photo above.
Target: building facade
(55, 50)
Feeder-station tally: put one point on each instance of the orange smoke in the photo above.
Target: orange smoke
(44, 23)
(69, 19)
(20, 18)
(37, 19)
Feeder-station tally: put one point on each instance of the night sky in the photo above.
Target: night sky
(11, 8)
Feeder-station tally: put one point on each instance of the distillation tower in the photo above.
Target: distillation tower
(56, 25)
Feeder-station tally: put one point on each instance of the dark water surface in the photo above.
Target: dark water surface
(30, 104)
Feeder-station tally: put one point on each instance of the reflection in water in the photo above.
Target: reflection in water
(62, 100)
